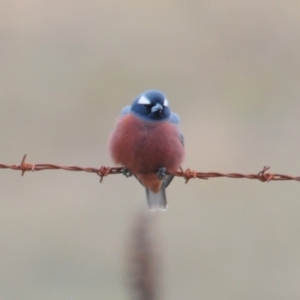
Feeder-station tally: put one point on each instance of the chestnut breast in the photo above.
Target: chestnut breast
(145, 146)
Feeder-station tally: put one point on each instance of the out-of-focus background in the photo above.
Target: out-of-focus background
(231, 70)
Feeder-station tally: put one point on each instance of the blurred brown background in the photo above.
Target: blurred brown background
(231, 69)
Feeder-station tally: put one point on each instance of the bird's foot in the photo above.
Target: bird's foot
(126, 172)
(161, 174)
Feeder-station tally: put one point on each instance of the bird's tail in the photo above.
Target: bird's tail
(157, 201)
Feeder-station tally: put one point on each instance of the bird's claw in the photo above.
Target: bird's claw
(126, 172)
(161, 174)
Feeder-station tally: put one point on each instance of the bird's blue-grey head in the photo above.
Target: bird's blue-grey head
(151, 105)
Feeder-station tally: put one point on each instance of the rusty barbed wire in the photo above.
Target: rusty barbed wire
(188, 174)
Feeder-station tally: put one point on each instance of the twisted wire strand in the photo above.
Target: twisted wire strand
(188, 174)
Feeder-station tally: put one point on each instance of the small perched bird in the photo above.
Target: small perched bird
(148, 144)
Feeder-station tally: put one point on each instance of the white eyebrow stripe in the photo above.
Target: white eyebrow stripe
(144, 100)
(166, 103)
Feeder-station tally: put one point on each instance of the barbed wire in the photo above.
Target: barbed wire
(188, 174)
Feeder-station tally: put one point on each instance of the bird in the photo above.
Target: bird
(148, 143)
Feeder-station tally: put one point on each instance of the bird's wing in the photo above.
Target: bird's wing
(168, 180)
(174, 118)
(181, 138)
(125, 110)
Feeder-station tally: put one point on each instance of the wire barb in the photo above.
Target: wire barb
(103, 171)
(23, 165)
(188, 174)
(263, 176)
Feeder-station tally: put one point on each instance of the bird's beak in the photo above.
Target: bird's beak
(156, 107)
